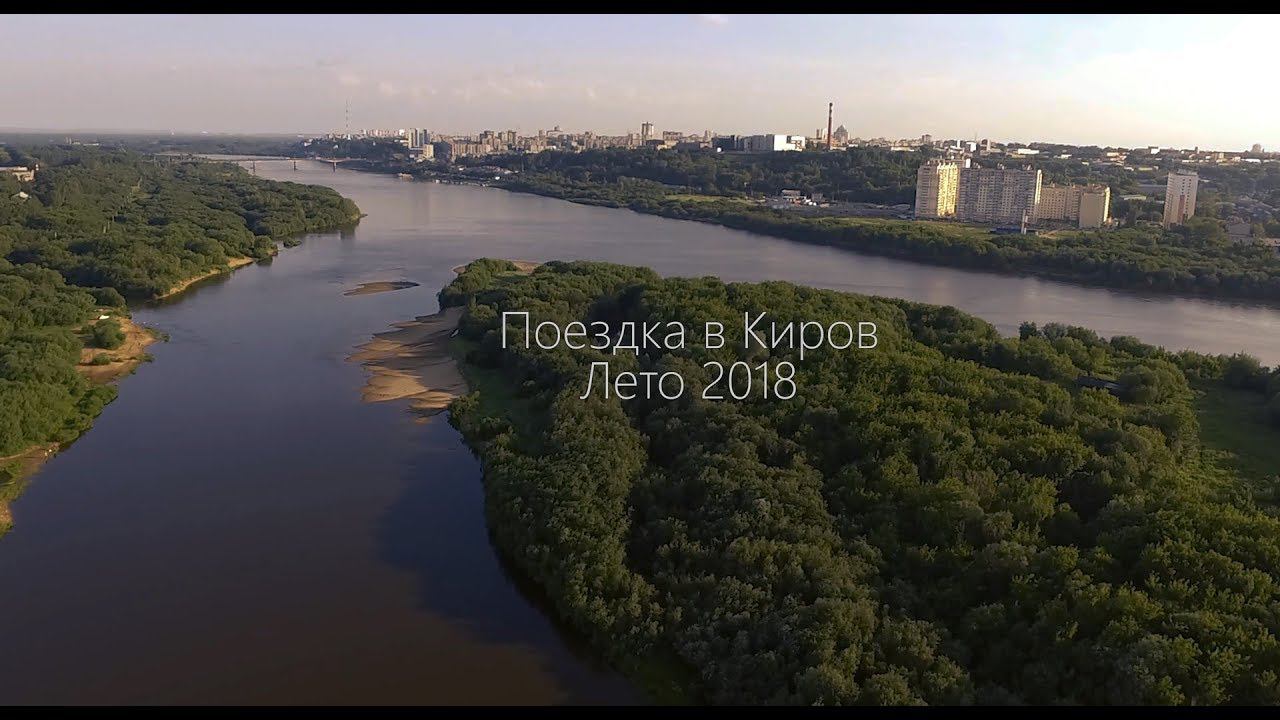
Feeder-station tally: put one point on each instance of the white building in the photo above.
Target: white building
(1095, 206)
(936, 186)
(771, 143)
(1180, 197)
(21, 172)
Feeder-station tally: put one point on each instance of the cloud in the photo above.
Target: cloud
(388, 88)
(350, 79)
(714, 19)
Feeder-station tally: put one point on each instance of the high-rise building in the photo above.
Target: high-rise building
(646, 132)
(936, 186)
(840, 136)
(1180, 197)
(417, 137)
(1095, 206)
(998, 195)
(1059, 203)
(1086, 206)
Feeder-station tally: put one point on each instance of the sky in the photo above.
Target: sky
(1183, 81)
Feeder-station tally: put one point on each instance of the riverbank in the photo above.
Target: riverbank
(418, 360)
(100, 367)
(1134, 260)
(105, 366)
(1100, 259)
(232, 265)
(149, 254)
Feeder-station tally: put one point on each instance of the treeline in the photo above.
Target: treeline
(99, 226)
(141, 225)
(42, 396)
(856, 175)
(951, 517)
(1196, 259)
(1245, 372)
(286, 145)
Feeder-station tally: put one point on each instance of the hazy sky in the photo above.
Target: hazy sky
(1120, 80)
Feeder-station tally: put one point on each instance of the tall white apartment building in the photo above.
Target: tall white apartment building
(937, 182)
(1180, 197)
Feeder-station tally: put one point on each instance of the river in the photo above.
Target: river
(238, 527)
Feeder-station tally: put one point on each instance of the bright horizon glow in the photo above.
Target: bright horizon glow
(1129, 81)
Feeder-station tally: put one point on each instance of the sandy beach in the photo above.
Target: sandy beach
(413, 362)
(123, 359)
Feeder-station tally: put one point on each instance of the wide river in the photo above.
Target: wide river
(239, 527)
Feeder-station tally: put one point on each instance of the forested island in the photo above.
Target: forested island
(1193, 259)
(95, 230)
(951, 517)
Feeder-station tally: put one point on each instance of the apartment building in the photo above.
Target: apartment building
(1180, 197)
(417, 137)
(937, 182)
(998, 195)
(1095, 207)
(1085, 206)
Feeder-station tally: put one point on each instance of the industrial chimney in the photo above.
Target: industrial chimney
(830, 108)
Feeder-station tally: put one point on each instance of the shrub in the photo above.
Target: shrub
(107, 334)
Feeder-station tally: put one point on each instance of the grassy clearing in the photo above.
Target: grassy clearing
(1234, 423)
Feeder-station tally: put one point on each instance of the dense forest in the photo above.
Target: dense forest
(97, 227)
(951, 517)
(857, 175)
(203, 144)
(140, 225)
(1194, 259)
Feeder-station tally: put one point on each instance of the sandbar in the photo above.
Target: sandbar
(381, 286)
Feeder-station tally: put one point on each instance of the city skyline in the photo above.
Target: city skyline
(1068, 79)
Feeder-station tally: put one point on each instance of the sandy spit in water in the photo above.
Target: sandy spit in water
(413, 362)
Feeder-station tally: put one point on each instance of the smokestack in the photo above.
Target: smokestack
(830, 108)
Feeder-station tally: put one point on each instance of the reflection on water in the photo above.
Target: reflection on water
(240, 527)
